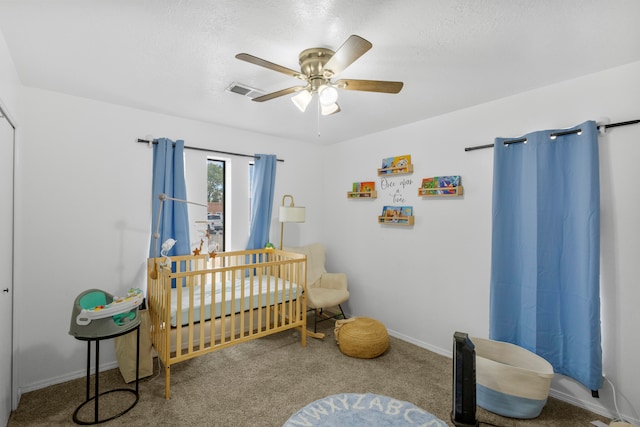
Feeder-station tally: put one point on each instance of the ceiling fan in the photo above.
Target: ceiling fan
(317, 67)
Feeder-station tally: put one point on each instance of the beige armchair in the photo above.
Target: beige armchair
(324, 290)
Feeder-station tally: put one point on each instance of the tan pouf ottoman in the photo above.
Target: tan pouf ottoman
(361, 337)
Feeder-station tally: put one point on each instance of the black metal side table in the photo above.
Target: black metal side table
(134, 325)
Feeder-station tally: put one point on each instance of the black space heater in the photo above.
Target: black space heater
(464, 381)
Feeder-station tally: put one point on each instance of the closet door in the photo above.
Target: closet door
(6, 266)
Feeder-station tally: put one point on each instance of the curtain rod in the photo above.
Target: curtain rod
(515, 141)
(146, 141)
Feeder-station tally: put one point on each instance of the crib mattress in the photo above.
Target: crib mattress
(256, 293)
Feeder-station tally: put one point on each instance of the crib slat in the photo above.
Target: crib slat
(190, 315)
(202, 283)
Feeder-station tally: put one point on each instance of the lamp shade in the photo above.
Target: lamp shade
(302, 99)
(329, 109)
(328, 95)
(291, 214)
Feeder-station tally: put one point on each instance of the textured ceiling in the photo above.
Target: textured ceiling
(178, 56)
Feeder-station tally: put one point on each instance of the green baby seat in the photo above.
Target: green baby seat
(98, 314)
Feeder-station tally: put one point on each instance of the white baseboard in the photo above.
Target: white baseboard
(421, 344)
(589, 406)
(63, 378)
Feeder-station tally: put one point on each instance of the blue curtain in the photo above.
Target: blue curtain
(545, 271)
(168, 178)
(262, 188)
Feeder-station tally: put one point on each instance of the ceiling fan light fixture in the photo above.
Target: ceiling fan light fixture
(329, 109)
(302, 100)
(318, 66)
(328, 95)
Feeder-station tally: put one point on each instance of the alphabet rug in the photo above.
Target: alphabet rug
(351, 409)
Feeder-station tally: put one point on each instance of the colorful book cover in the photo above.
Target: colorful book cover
(441, 184)
(401, 163)
(396, 164)
(367, 186)
(406, 211)
(391, 213)
(430, 182)
(387, 164)
(397, 214)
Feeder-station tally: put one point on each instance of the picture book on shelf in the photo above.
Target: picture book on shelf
(397, 164)
(440, 184)
(397, 214)
(364, 187)
(367, 186)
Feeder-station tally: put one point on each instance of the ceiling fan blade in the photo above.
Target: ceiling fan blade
(370, 85)
(270, 65)
(352, 49)
(278, 94)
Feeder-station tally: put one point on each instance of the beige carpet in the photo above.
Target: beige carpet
(263, 382)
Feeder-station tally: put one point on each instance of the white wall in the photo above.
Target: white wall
(9, 82)
(427, 281)
(83, 213)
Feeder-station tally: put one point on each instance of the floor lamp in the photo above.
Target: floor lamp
(290, 213)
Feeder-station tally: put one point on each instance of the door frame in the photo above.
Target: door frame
(4, 115)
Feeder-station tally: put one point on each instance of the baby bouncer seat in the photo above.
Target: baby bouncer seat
(98, 314)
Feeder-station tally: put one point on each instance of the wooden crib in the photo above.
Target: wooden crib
(200, 304)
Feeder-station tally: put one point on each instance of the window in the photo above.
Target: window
(215, 201)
